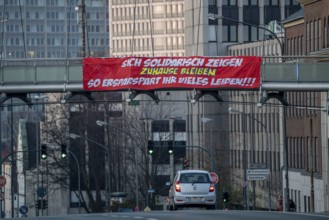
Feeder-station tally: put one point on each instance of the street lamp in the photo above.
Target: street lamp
(75, 136)
(205, 121)
(244, 158)
(79, 181)
(268, 152)
(37, 137)
(82, 9)
(212, 16)
(103, 123)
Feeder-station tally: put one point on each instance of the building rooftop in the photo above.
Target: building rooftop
(295, 16)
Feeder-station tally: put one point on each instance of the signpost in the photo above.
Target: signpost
(23, 210)
(214, 177)
(257, 166)
(263, 172)
(41, 192)
(3, 181)
(256, 177)
(257, 174)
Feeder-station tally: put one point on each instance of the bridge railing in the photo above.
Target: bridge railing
(295, 72)
(41, 71)
(43, 74)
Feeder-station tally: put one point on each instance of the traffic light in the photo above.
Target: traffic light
(44, 151)
(39, 204)
(226, 196)
(170, 147)
(150, 148)
(186, 164)
(63, 151)
(44, 204)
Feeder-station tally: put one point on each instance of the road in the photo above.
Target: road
(190, 215)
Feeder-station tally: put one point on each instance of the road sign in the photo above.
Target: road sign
(41, 192)
(214, 177)
(256, 177)
(23, 209)
(150, 190)
(2, 196)
(2, 181)
(258, 172)
(257, 166)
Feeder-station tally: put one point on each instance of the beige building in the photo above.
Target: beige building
(144, 28)
(6, 197)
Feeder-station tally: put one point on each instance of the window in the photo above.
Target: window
(250, 33)
(230, 27)
(291, 2)
(272, 2)
(250, 2)
(212, 35)
(319, 33)
(212, 2)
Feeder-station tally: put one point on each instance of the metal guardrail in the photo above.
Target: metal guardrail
(41, 75)
(62, 75)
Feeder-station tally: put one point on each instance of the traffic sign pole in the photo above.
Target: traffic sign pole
(3, 181)
(2, 184)
(1, 203)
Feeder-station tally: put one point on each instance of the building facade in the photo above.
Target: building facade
(306, 121)
(53, 29)
(305, 126)
(254, 134)
(144, 28)
(39, 29)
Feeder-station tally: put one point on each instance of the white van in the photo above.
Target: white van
(192, 188)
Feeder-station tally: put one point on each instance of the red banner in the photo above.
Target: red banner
(152, 73)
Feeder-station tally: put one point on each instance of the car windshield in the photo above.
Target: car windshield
(194, 178)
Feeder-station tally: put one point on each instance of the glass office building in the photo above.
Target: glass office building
(53, 28)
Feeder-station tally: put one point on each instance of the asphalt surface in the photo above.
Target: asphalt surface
(190, 215)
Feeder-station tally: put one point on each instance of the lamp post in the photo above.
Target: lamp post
(212, 16)
(37, 136)
(82, 9)
(79, 181)
(103, 123)
(12, 159)
(205, 121)
(75, 136)
(268, 150)
(244, 157)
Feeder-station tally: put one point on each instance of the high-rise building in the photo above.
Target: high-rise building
(232, 25)
(53, 28)
(147, 28)
(44, 29)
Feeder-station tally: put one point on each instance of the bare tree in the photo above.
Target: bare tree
(77, 117)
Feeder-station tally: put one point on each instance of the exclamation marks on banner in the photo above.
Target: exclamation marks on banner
(248, 81)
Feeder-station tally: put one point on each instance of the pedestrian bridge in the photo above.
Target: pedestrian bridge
(60, 76)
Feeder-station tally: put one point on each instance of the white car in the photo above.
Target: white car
(192, 188)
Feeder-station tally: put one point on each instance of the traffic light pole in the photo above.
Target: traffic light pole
(212, 161)
(5, 158)
(151, 147)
